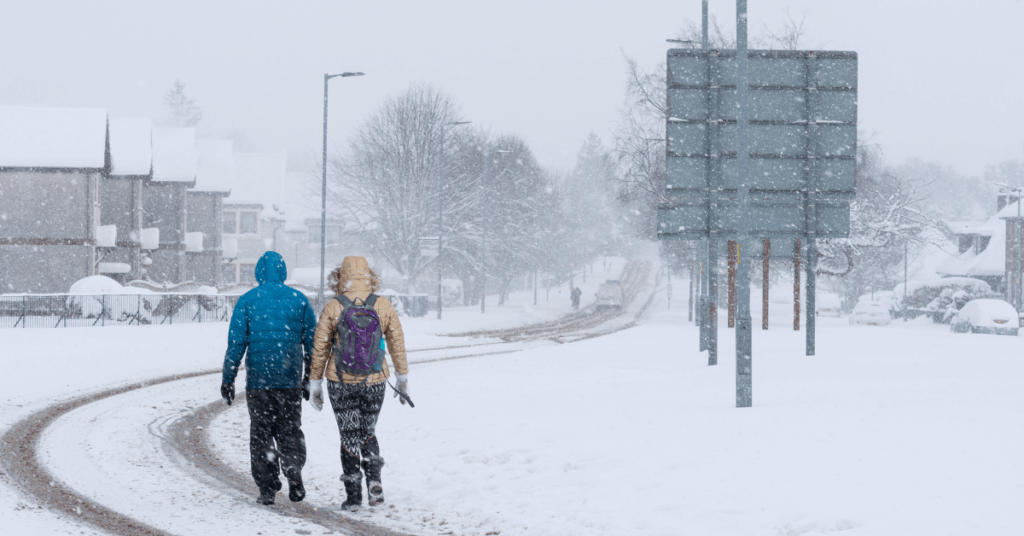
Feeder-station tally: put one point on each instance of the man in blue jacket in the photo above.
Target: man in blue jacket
(274, 325)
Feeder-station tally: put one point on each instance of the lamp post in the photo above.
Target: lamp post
(323, 195)
(483, 242)
(440, 213)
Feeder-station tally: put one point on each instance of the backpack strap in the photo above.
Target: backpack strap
(370, 300)
(344, 301)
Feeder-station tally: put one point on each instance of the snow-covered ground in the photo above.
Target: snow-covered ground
(905, 429)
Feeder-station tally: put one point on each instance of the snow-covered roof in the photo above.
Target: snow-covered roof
(992, 261)
(215, 167)
(980, 228)
(174, 154)
(53, 137)
(131, 145)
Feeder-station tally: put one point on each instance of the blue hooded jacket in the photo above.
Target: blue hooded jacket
(275, 324)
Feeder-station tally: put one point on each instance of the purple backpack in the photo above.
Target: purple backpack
(359, 344)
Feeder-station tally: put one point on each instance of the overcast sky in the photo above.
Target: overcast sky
(939, 80)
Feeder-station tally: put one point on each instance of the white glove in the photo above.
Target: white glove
(316, 394)
(402, 384)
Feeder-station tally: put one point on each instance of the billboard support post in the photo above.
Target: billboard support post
(744, 344)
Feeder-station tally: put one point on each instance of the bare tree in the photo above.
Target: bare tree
(791, 35)
(885, 218)
(387, 183)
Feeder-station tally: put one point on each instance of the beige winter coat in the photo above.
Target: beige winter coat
(355, 283)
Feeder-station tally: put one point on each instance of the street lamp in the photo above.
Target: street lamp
(483, 242)
(440, 213)
(323, 195)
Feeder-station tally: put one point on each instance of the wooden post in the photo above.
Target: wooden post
(764, 287)
(731, 255)
(689, 306)
(796, 287)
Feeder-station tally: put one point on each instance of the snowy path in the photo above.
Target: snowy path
(109, 473)
(906, 429)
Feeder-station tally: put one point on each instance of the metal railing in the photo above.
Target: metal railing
(74, 310)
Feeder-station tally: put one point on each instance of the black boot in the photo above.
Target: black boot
(296, 491)
(372, 464)
(266, 497)
(375, 493)
(354, 490)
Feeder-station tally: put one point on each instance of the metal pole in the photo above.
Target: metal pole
(323, 208)
(812, 261)
(704, 25)
(712, 311)
(796, 286)
(744, 343)
(731, 290)
(764, 285)
(483, 241)
(1017, 283)
(535, 286)
(440, 220)
(905, 262)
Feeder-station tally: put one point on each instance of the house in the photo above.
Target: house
(270, 209)
(164, 202)
(983, 248)
(247, 211)
(121, 213)
(52, 164)
(215, 176)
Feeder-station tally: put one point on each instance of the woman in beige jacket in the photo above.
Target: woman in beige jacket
(356, 399)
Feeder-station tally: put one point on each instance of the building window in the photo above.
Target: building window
(249, 223)
(247, 273)
(230, 226)
(229, 274)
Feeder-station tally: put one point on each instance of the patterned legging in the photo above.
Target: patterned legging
(356, 408)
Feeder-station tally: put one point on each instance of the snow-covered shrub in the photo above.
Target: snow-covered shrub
(942, 298)
(100, 295)
(452, 291)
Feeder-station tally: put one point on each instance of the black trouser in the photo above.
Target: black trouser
(356, 408)
(275, 416)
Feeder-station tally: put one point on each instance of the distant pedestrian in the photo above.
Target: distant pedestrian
(273, 325)
(575, 297)
(349, 347)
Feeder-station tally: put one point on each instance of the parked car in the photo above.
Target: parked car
(828, 304)
(609, 295)
(870, 314)
(986, 316)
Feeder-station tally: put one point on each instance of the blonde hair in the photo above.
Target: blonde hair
(340, 281)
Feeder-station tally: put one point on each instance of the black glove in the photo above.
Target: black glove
(227, 392)
(305, 388)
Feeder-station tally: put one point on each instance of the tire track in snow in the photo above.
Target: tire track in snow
(23, 468)
(20, 461)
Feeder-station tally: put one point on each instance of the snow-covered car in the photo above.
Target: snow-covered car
(986, 316)
(870, 314)
(828, 304)
(609, 295)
